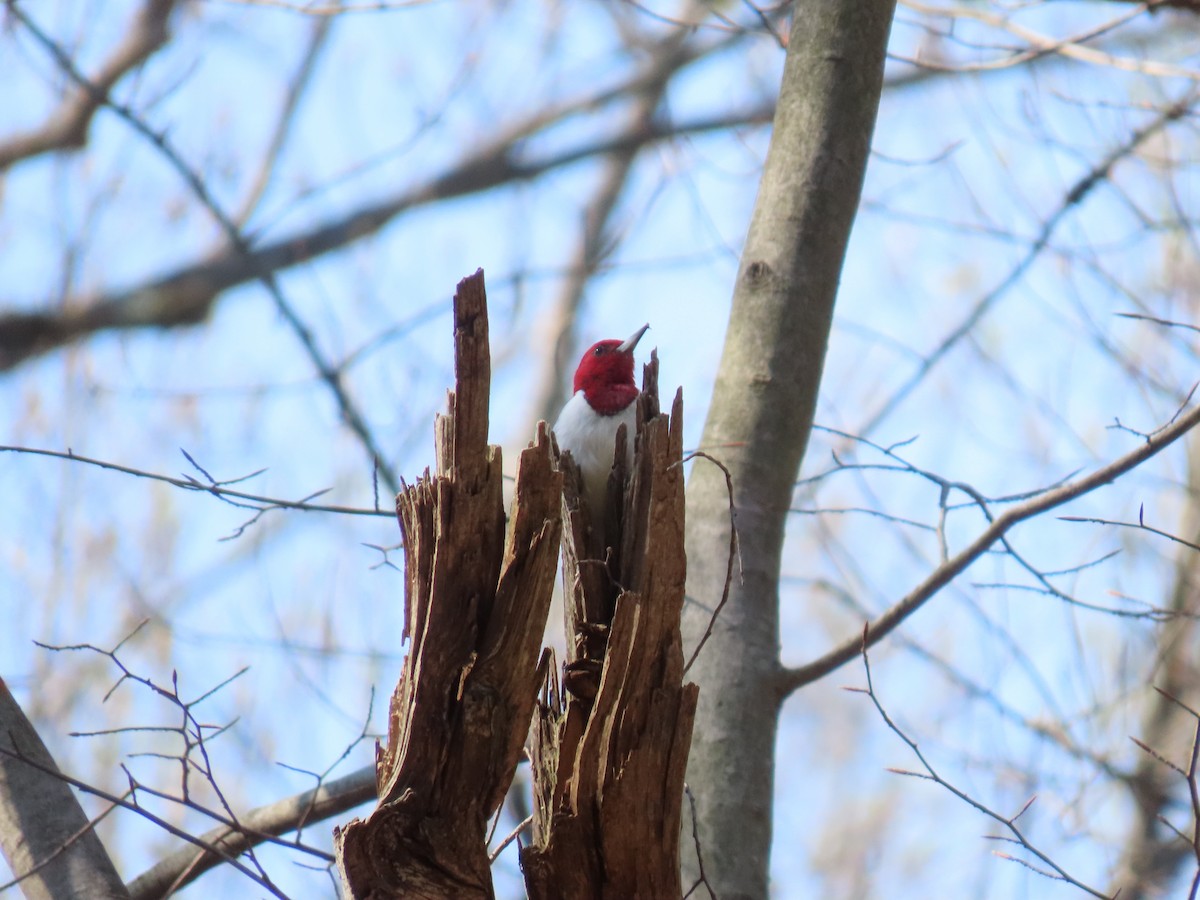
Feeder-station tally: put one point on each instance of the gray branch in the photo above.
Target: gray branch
(282, 817)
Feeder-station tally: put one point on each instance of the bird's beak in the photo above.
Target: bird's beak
(632, 340)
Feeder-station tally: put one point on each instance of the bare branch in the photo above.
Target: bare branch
(735, 553)
(1157, 321)
(236, 836)
(132, 806)
(240, 499)
(1057, 873)
(67, 128)
(1056, 730)
(275, 819)
(1079, 191)
(238, 243)
(1039, 45)
(1139, 526)
(261, 825)
(1153, 856)
(596, 239)
(701, 877)
(185, 296)
(792, 679)
(318, 39)
(510, 837)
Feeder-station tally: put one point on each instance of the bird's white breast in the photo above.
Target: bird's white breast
(592, 440)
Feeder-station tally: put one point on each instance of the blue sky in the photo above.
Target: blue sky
(967, 168)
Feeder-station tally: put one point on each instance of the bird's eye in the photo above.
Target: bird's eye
(599, 351)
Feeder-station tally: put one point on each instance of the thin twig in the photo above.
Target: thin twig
(146, 814)
(215, 488)
(703, 878)
(512, 836)
(1157, 321)
(1079, 191)
(1139, 526)
(735, 553)
(161, 142)
(792, 679)
(1058, 873)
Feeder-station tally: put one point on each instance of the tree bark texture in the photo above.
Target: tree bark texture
(760, 418)
(610, 746)
(44, 833)
(476, 601)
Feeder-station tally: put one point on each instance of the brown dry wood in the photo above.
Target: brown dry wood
(476, 601)
(609, 767)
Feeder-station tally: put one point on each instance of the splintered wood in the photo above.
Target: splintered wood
(476, 602)
(610, 745)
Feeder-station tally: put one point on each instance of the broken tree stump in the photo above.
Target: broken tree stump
(609, 746)
(610, 743)
(476, 600)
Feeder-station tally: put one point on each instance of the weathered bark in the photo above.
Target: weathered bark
(44, 834)
(609, 753)
(476, 604)
(760, 418)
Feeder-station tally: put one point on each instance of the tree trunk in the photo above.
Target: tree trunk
(759, 421)
(44, 833)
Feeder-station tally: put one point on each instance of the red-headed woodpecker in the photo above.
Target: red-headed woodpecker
(605, 395)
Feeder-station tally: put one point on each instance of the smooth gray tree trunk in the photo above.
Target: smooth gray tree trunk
(759, 421)
(44, 833)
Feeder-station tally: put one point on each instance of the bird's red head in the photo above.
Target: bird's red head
(605, 374)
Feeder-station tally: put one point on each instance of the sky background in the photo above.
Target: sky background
(967, 169)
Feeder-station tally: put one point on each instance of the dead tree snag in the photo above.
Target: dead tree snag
(609, 753)
(476, 601)
(610, 747)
